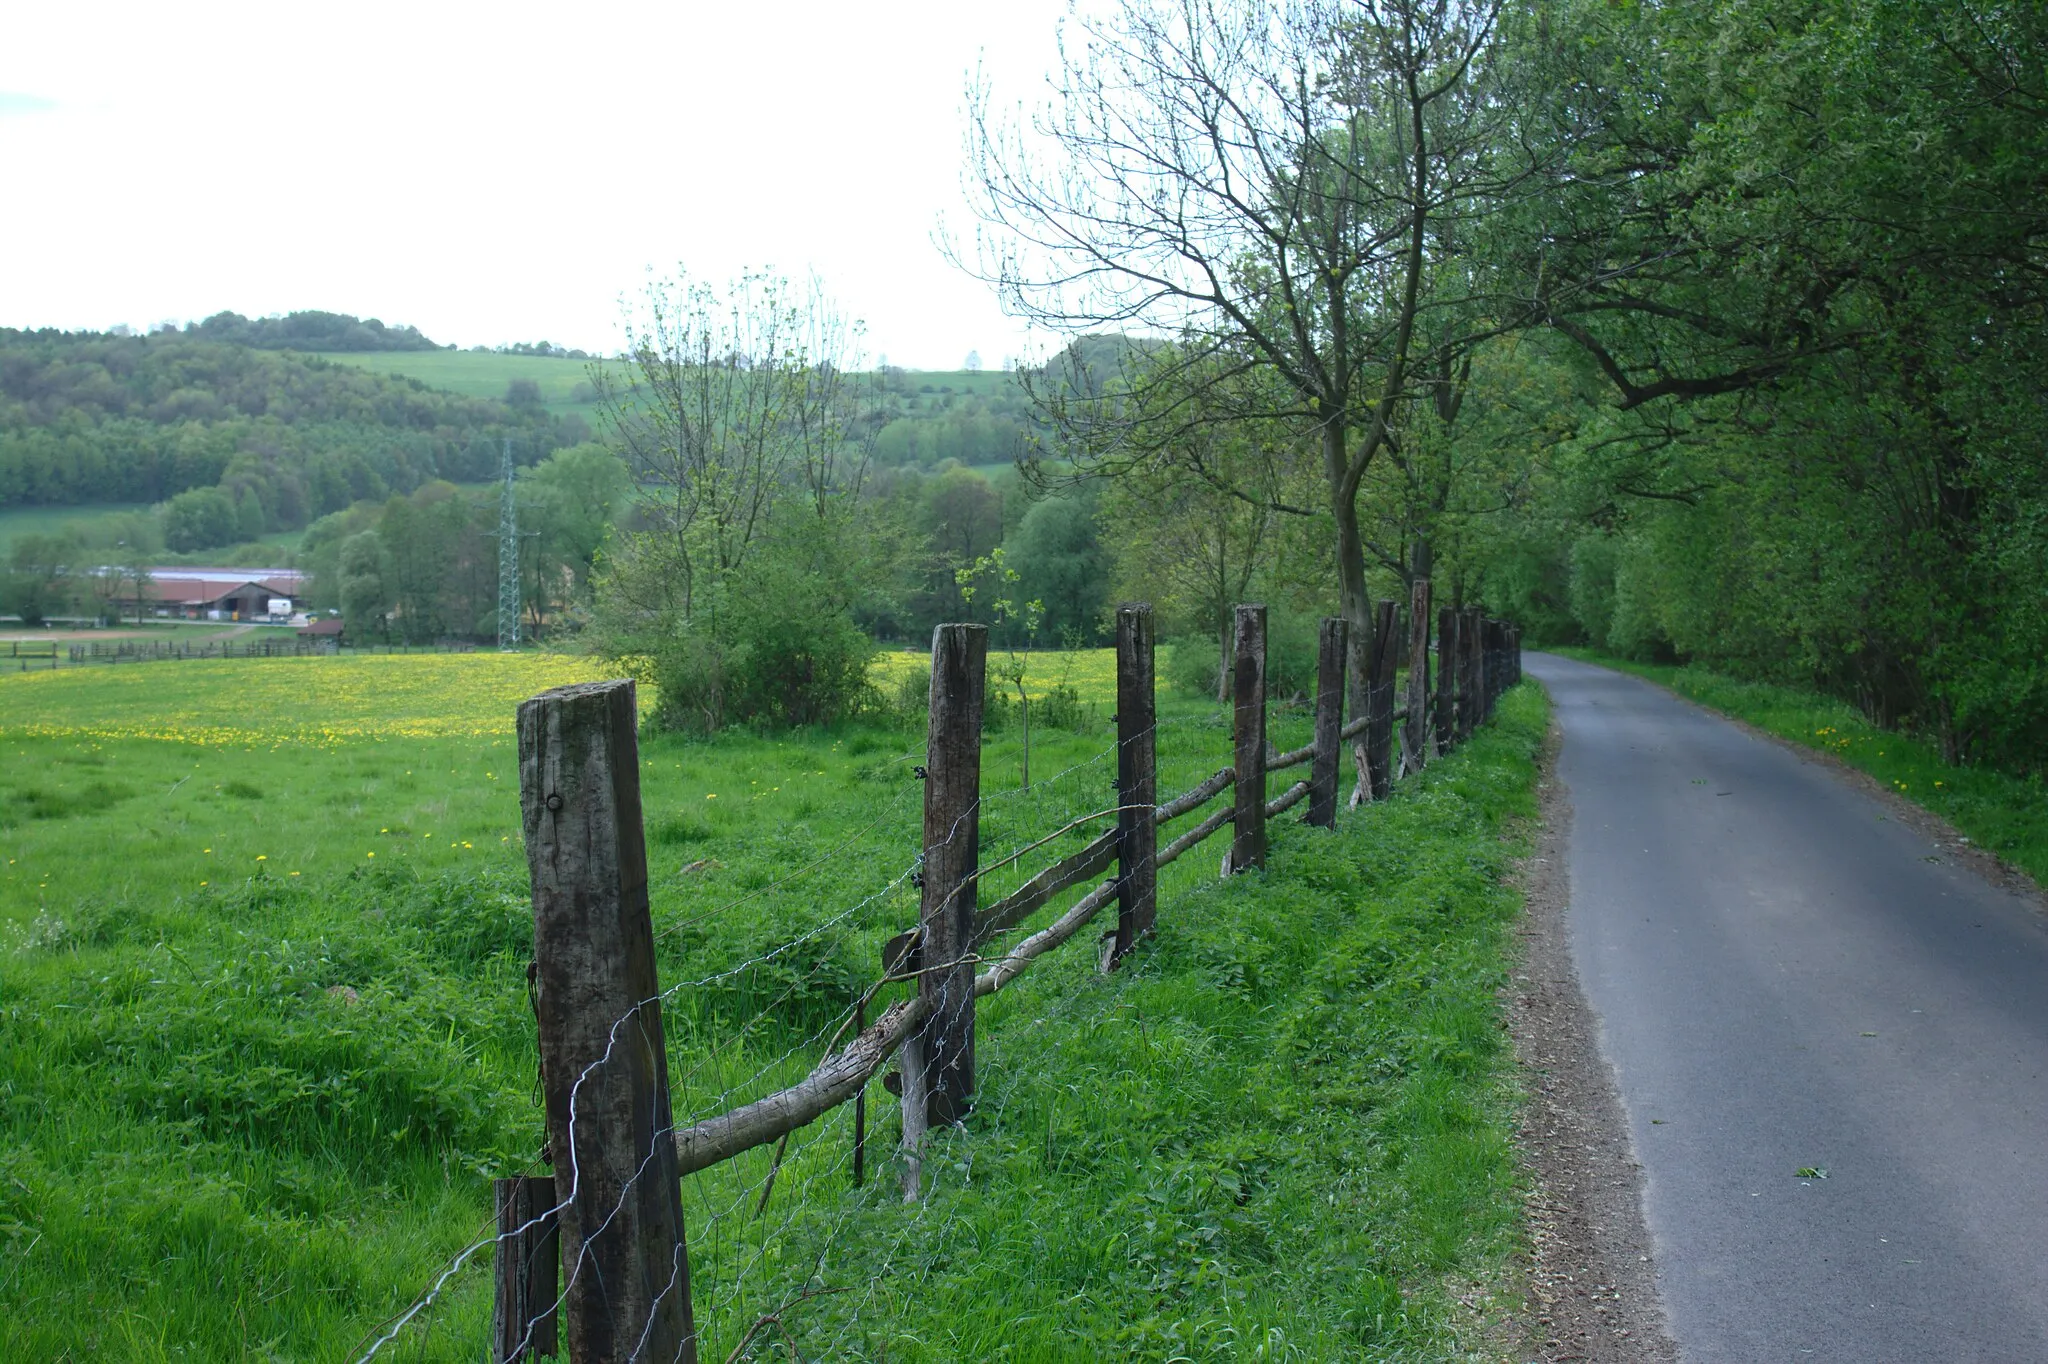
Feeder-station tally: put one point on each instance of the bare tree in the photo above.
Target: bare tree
(729, 402)
(1274, 188)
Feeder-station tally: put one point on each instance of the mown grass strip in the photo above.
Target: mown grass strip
(1997, 811)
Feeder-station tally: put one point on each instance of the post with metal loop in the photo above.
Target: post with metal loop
(604, 1065)
(1332, 640)
(1137, 779)
(1248, 726)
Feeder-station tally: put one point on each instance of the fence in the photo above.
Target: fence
(34, 656)
(612, 1211)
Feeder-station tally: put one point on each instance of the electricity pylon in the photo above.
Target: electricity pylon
(508, 559)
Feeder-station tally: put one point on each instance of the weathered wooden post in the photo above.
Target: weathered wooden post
(1469, 700)
(1137, 779)
(604, 1066)
(952, 850)
(1248, 726)
(1331, 642)
(1379, 704)
(524, 1270)
(1446, 679)
(1503, 672)
(1415, 728)
(1487, 672)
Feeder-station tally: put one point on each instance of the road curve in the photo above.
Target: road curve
(1787, 979)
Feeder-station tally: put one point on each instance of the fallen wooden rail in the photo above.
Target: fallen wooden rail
(1014, 908)
(1197, 834)
(838, 1078)
(1195, 797)
(1287, 799)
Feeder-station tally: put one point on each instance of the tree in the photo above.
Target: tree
(365, 598)
(735, 416)
(1281, 191)
(204, 518)
(568, 502)
(38, 582)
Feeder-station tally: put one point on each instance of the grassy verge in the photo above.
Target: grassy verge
(1281, 1133)
(2005, 814)
(246, 1114)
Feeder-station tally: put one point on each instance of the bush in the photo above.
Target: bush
(780, 646)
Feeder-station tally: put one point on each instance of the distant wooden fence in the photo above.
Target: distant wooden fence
(612, 1210)
(36, 655)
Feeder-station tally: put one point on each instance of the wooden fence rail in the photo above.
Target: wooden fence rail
(613, 1144)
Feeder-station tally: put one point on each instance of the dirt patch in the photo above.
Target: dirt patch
(1591, 1279)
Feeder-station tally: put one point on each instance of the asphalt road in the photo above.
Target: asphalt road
(1787, 979)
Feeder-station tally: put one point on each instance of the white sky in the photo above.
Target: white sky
(497, 172)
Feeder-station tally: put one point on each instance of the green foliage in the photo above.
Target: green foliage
(308, 331)
(283, 437)
(776, 642)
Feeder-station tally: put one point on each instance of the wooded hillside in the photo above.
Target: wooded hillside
(284, 438)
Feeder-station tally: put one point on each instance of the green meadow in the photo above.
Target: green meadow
(264, 1034)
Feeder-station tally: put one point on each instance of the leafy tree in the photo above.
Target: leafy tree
(201, 519)
(734, 416)
(365, 597)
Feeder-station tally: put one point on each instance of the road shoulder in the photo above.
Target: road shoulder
(1591, 1279)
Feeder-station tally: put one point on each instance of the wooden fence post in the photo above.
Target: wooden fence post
(1137, 779)
(952, 852)
(1496, 663)
(1248, 726)
(1486, 677)
(1468, 672)
(1332, 641)
(1446, 679)
(1415, 728)
(1379, 704)
(525, 1269)
(604, 1066)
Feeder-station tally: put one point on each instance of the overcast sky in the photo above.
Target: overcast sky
(496, 173)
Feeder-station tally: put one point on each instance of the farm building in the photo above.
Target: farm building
(224, 593)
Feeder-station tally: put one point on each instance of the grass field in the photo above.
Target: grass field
(15, 521)
(485, 375)
(2006, 814)
(264, 1033)
(477, 374)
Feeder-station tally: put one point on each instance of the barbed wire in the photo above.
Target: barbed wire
(723, 1225)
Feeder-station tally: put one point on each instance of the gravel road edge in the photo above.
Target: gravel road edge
(1591, 1282)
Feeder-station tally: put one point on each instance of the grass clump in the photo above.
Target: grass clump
(2000, 812)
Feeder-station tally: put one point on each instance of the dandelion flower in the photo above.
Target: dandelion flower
(262, 857)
